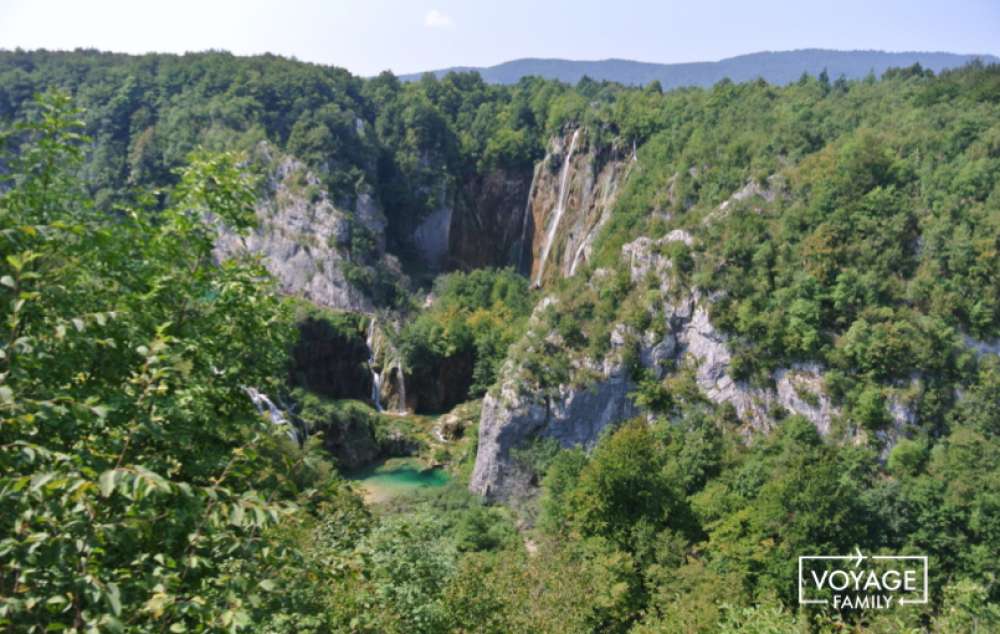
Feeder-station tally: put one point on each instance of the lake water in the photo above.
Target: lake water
(398, 476)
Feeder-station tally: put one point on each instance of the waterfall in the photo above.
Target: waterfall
(610, 186)
(578, 255)
(402, 387)
(376, 377)
(560, 208)
(265, 406)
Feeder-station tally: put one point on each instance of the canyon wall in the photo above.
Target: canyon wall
(574, 189)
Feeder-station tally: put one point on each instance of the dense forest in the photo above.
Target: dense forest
(147, 485)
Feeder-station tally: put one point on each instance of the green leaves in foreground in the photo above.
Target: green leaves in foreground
(130, 458)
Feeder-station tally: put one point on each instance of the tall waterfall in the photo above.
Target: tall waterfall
(376, 377)
(560, 209)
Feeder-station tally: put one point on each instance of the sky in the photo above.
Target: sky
(369, 36)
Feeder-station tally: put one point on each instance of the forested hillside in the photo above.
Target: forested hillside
(645, 347)
(775, 67)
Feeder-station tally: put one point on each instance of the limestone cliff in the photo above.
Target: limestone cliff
(576, 413)
(541, 220)
(571, 197)
(307, 240)
(486, 231)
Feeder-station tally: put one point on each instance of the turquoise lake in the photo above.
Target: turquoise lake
(398, 476)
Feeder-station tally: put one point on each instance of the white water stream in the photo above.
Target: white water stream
(560, 209)
(377, 376)
(265, 406)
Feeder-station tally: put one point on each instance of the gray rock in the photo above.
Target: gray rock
(577, 416)
(800, 391)
(982, 348)
(431, 237)
(303, 237)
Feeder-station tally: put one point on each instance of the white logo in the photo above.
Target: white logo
(884, 580)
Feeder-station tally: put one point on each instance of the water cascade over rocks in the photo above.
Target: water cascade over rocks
(376, 375)
(266, 407)
(401, 409)
(382, 374)
(560, 209)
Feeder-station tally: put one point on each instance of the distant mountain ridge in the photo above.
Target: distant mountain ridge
(776, 67)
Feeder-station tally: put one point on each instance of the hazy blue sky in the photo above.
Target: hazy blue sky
(369, 36)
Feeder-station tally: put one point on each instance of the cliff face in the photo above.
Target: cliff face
(305, 238)
(577, 414)
(541, 220)
(486, 230)
(571, 197)
(330, 363)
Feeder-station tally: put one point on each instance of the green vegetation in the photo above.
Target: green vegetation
(141, 491)
(466, 332)
(408, 144)
(672, 527)
(137, 484)
(870, 246)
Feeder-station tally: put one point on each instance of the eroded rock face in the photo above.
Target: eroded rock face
(486, 230)
(304, 237)
(573, 416)
(432, 236)
(592, 179)
(800, 389)
(577, 416)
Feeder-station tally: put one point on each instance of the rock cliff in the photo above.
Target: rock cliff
(571, 197)
(306, 239)
(577, 414)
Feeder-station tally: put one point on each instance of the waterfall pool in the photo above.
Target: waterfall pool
(396, 477)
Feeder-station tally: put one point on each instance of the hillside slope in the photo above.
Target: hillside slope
(776, 67)
(794, 251)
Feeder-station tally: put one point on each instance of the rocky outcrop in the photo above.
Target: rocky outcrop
(982, 348)
(752, 191)
(305, 239)
(577, 415)
(583, 180)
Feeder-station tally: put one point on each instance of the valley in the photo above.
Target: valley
(288, 349)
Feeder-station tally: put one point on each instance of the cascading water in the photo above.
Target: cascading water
(578, 255)
(609, 188)
(376, 377)
(265, 406)
(402, 388)
(560, 209)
